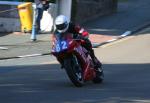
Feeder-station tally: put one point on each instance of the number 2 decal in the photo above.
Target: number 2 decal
(64, 44)
(61, 46)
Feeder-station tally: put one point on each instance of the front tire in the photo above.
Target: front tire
(74, 71)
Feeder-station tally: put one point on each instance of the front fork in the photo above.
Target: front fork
(75, 61)
(77, 64)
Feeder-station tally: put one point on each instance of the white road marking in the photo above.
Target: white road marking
(3, 48)
(126, 33)
(119, 39)
(31, 55)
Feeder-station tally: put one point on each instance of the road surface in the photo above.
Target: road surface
(126, 66)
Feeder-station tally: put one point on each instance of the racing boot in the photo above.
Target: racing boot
(97, 65)
(94, 59)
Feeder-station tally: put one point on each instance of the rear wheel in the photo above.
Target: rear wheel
(74, 71)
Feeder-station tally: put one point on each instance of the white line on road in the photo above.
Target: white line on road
(31, 55)
(121, 36)
(126, 33)
(3, 48)
(111, 40)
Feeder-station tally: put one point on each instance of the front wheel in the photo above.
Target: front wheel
(74, 70)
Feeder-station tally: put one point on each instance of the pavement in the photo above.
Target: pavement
(131, 17)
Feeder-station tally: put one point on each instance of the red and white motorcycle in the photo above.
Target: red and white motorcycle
(76, 60)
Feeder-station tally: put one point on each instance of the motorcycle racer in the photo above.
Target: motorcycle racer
(63, 25)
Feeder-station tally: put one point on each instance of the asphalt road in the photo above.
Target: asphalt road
(131, 15)
(40, 80)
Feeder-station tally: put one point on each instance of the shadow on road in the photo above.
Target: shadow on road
(3, 34)
(123, 83)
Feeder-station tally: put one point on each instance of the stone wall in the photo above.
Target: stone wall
(84, 10)
(9, 11)
(9, 18)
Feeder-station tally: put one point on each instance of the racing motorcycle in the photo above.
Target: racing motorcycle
(76, 60)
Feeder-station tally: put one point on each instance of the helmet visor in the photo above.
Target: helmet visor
(61, 26)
